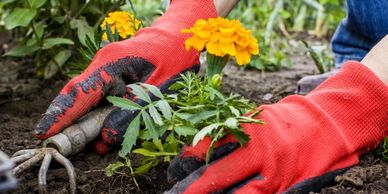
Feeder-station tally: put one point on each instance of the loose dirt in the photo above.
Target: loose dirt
(21, 110)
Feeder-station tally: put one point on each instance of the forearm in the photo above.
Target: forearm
(225, 6)
(376, 60)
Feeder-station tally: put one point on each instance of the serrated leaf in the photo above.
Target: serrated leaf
(150, 125)
(130, 136)
(165, 108)
(234, 111)
(50, 42)
(111, 169)
(176, 86)
(185, 130)
(184, 116)
(154, 90)
(123, 103)
(203, 132)
(140, 92)
(241, 137)
(155, 115)
(201, 116)
(37, 3)
(191, 107)
(214, 92)
(21, 51)
(83, 29)
(19, 17)
(231, 123)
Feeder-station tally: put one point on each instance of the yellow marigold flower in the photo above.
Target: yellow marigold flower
(124, 22)
(222, 37)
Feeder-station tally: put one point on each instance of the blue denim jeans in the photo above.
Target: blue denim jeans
(365, 24)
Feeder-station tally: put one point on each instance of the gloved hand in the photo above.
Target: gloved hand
(156, 55)
(305, 142)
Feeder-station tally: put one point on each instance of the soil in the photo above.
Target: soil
(21, 110)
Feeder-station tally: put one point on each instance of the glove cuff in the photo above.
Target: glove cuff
(357, 102)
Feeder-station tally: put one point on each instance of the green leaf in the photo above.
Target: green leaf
(231, 123)
(241, 137)
(155, 115)
(149, 146)
(184, 116)
(130, 136)
(39, 30)
(150, 125)
(50, 42)
(165, 108)
(36, 3)
(185, 130)
(109, 33)
(19, 17)
(214, 92)
(203, 132)
(59, 19)
(154, 90)
(21, 51)
(123, 103)
(201, 116)
(176, 86)
(158, 144)
(145, 152)
(145, 167)
(234, 111)
(83, 29)
(113, 168)
(140, 92)
(53, 67)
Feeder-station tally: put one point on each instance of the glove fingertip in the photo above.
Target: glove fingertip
(102, 148)
(109, 135)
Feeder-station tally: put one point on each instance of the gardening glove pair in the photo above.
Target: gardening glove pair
(156, 55)
(304, 144)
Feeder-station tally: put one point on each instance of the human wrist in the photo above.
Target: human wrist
(376, 61)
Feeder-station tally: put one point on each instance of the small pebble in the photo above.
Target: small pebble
(267, 96)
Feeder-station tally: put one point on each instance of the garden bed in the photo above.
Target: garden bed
(20, 111)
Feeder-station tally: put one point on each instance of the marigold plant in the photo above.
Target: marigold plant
(124, 22)
(222, 37)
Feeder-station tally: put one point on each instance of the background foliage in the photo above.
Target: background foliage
(52, 31)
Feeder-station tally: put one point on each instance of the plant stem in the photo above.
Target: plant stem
(36, 34)
(215, 65)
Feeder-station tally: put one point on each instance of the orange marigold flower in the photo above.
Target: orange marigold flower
(123, 21)
(223, 37)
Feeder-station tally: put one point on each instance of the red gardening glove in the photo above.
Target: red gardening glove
(305, 142)
(156, 55)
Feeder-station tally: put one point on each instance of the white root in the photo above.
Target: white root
(27, 164)
(22, 152)
(43, 173)
(70, 170)
(24, 157)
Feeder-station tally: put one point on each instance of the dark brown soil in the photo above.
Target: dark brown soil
(20, 111)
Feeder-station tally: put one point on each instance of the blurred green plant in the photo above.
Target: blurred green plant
(322, 57)
(275, 22)
(170, 121)
(382, 150)
(52, 31)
